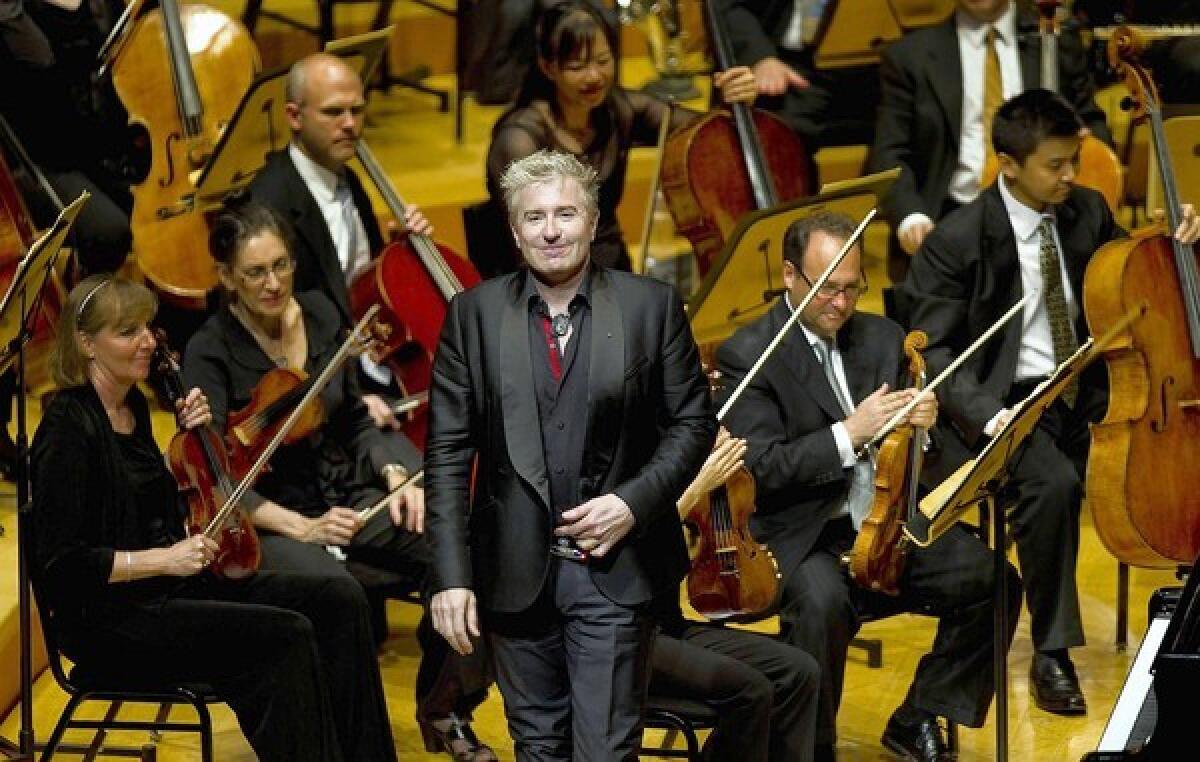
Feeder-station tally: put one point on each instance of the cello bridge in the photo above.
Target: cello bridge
(183, 206)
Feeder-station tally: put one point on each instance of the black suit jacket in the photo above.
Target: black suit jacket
(920, 111)
(786, 413)
(279, 186)
(755, 27)
(965, 277)
(650, 426)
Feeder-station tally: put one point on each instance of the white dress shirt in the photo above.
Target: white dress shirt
(322, 184)
(1035, 358)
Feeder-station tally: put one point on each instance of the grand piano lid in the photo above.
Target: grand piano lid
(747, 275)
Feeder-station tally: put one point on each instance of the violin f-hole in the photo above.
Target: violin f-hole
(1164, 403)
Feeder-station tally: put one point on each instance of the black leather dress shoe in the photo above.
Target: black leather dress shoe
(922, 742)
(1055, 686)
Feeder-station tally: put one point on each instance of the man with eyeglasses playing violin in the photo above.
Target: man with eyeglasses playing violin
(829, 387)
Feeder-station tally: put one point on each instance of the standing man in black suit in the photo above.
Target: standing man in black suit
(310, 185)
(1032, 232)
(777, 38)
(568, 412)
(830, 386)
(937, 102)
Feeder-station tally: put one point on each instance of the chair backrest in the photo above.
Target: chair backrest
(46, 613)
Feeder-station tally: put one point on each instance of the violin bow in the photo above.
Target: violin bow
(368, 513)
(812, 292)
(929, 388)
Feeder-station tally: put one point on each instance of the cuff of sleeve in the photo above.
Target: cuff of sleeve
(912, 219)
(993, 425)
(844, 444)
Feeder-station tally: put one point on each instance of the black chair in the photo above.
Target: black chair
(85, 683)
(679, 717)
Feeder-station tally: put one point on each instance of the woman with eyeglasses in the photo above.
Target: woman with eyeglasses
(126, 592)
(308, 500)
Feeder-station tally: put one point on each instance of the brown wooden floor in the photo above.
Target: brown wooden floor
(415, 142)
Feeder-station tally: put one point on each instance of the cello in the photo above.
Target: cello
(413, 280)
(180, 71)
(200, 464)
(1099, 167)
(1142, 483)
(707, 191)
(881, 547)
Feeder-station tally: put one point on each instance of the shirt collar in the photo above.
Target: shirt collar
(1025, 221)
(976, 31)
(320, 181)
(583, 296)
(809, 336)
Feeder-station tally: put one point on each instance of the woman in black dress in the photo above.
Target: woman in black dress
(291, 653)
(310, 497)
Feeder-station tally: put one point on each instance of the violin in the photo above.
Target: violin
(1099, 167)
(1142, 485)
(285, 407)
(200, 465)
(877, 559)
(180, 72)
(707, 189)
(413, 280)
(733, 577)
(274, 397)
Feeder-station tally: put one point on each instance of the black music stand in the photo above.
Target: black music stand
(18, 315)
(983, 482)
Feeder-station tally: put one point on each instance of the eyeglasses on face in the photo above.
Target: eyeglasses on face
(256, 276)
(828, 291)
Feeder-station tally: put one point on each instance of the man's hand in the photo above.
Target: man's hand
(924, 414)
(415, 223)
(598, 524)
(774, 77)
(737, 85)
(381, 413)
(456, 618)
(407, 506)
(873, 412)
(337, 526)
(1189, 224)
(914, 235)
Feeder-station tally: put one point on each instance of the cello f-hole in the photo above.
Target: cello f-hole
(165, 182)
(1164, 405)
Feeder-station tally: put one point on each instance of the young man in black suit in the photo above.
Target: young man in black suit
(936, 105)
(568, 412)
(832, 383)
(310, 185)
(1032, 232)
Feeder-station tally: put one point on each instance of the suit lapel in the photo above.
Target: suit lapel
(309, 224)
(945, 76)
(999, 252)
(522, 432)
(606, 376)
(1029, 52)
(802, 364)
(856, 363)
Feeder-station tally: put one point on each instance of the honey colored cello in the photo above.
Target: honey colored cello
(1143, 485)
(181, 72)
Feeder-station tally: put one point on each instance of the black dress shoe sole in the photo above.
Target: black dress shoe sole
(1066, 710)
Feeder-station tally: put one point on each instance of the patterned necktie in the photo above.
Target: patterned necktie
(1055, 299)
(993, 89)
(862, 481)
(350, 220)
